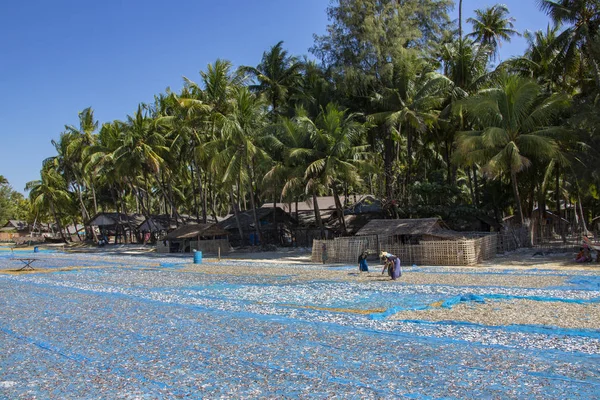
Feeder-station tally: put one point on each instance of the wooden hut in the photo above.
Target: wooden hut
(14, 229)
(409, 231)
(275, 225)
(122, 226)
(208, 238)
(425, 241)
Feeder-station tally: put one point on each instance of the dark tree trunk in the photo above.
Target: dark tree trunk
(468, 171)
(255, 216)
(340, 211)
(517, 198)
(318, 215)
(236, 213)
(194, 194)
(558, 211)
(476, 186)
(388, 160)
(58, 224)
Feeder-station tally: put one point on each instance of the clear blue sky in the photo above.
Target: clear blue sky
(59, 57)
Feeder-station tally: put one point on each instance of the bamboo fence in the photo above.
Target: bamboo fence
(471, 250)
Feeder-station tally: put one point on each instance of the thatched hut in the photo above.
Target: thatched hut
(409, 231)
(208, 238)
(420, 241)
(122, 226)
(275, 225)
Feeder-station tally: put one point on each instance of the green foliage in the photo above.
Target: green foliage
(399, 106)
(12, 204)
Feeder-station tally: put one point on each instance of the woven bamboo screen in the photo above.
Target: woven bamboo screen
(468, 251)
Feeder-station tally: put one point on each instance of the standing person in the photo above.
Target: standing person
(362, 262)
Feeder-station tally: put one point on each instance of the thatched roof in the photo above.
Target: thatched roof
(195, 230)
(14, 224)
(263, 214)
(354, 223)
(390, 227)
(113, 219)
(324, 202)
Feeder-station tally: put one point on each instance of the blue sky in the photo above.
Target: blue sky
(61, 56)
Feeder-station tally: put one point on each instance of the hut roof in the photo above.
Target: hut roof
(247, 218)
(324, 202)
(15, 224)
(389, 227)
(195, 230)
(114, 218)
(163, 222)
(354, 223)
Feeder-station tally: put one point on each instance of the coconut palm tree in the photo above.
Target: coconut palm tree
(492, 26)
(543, 61)
(289, 145)
(337, 138)
(581, 19)
(139, 154)
(512, 126)
(238, 151)
(218, 85)
(410, 104)
(50, 193)
(278, 76)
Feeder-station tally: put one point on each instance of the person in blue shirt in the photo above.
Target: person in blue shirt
(362, 262)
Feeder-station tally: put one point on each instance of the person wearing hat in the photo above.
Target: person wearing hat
(392, 264)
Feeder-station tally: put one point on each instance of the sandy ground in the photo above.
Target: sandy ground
(514, 312)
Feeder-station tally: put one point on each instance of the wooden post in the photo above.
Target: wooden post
(219, 253)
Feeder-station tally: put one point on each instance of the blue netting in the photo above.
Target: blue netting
(141, 327)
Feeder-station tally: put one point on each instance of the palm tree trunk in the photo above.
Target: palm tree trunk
(468, 171)
(318, 215)
(518, 207)
(94, 197)
(196, 208)
(476, 185)
(253, 205)
(558, 211)
(205, 194)
(58, 225)
(541, 213)
(388, 161)
(340, 211)
(77, 230)
(237, 216)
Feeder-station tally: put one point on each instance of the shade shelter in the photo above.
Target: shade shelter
(208, 238)
(423, 241)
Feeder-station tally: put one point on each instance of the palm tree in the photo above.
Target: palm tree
(138, 154)
(513, 126)
(77, 151)
(582, 21)
(542, 60)
(50, 193)
(491, 26)
(410, 106)
(337, 137)
(278, 75)
(289, 145)
(240, 155)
